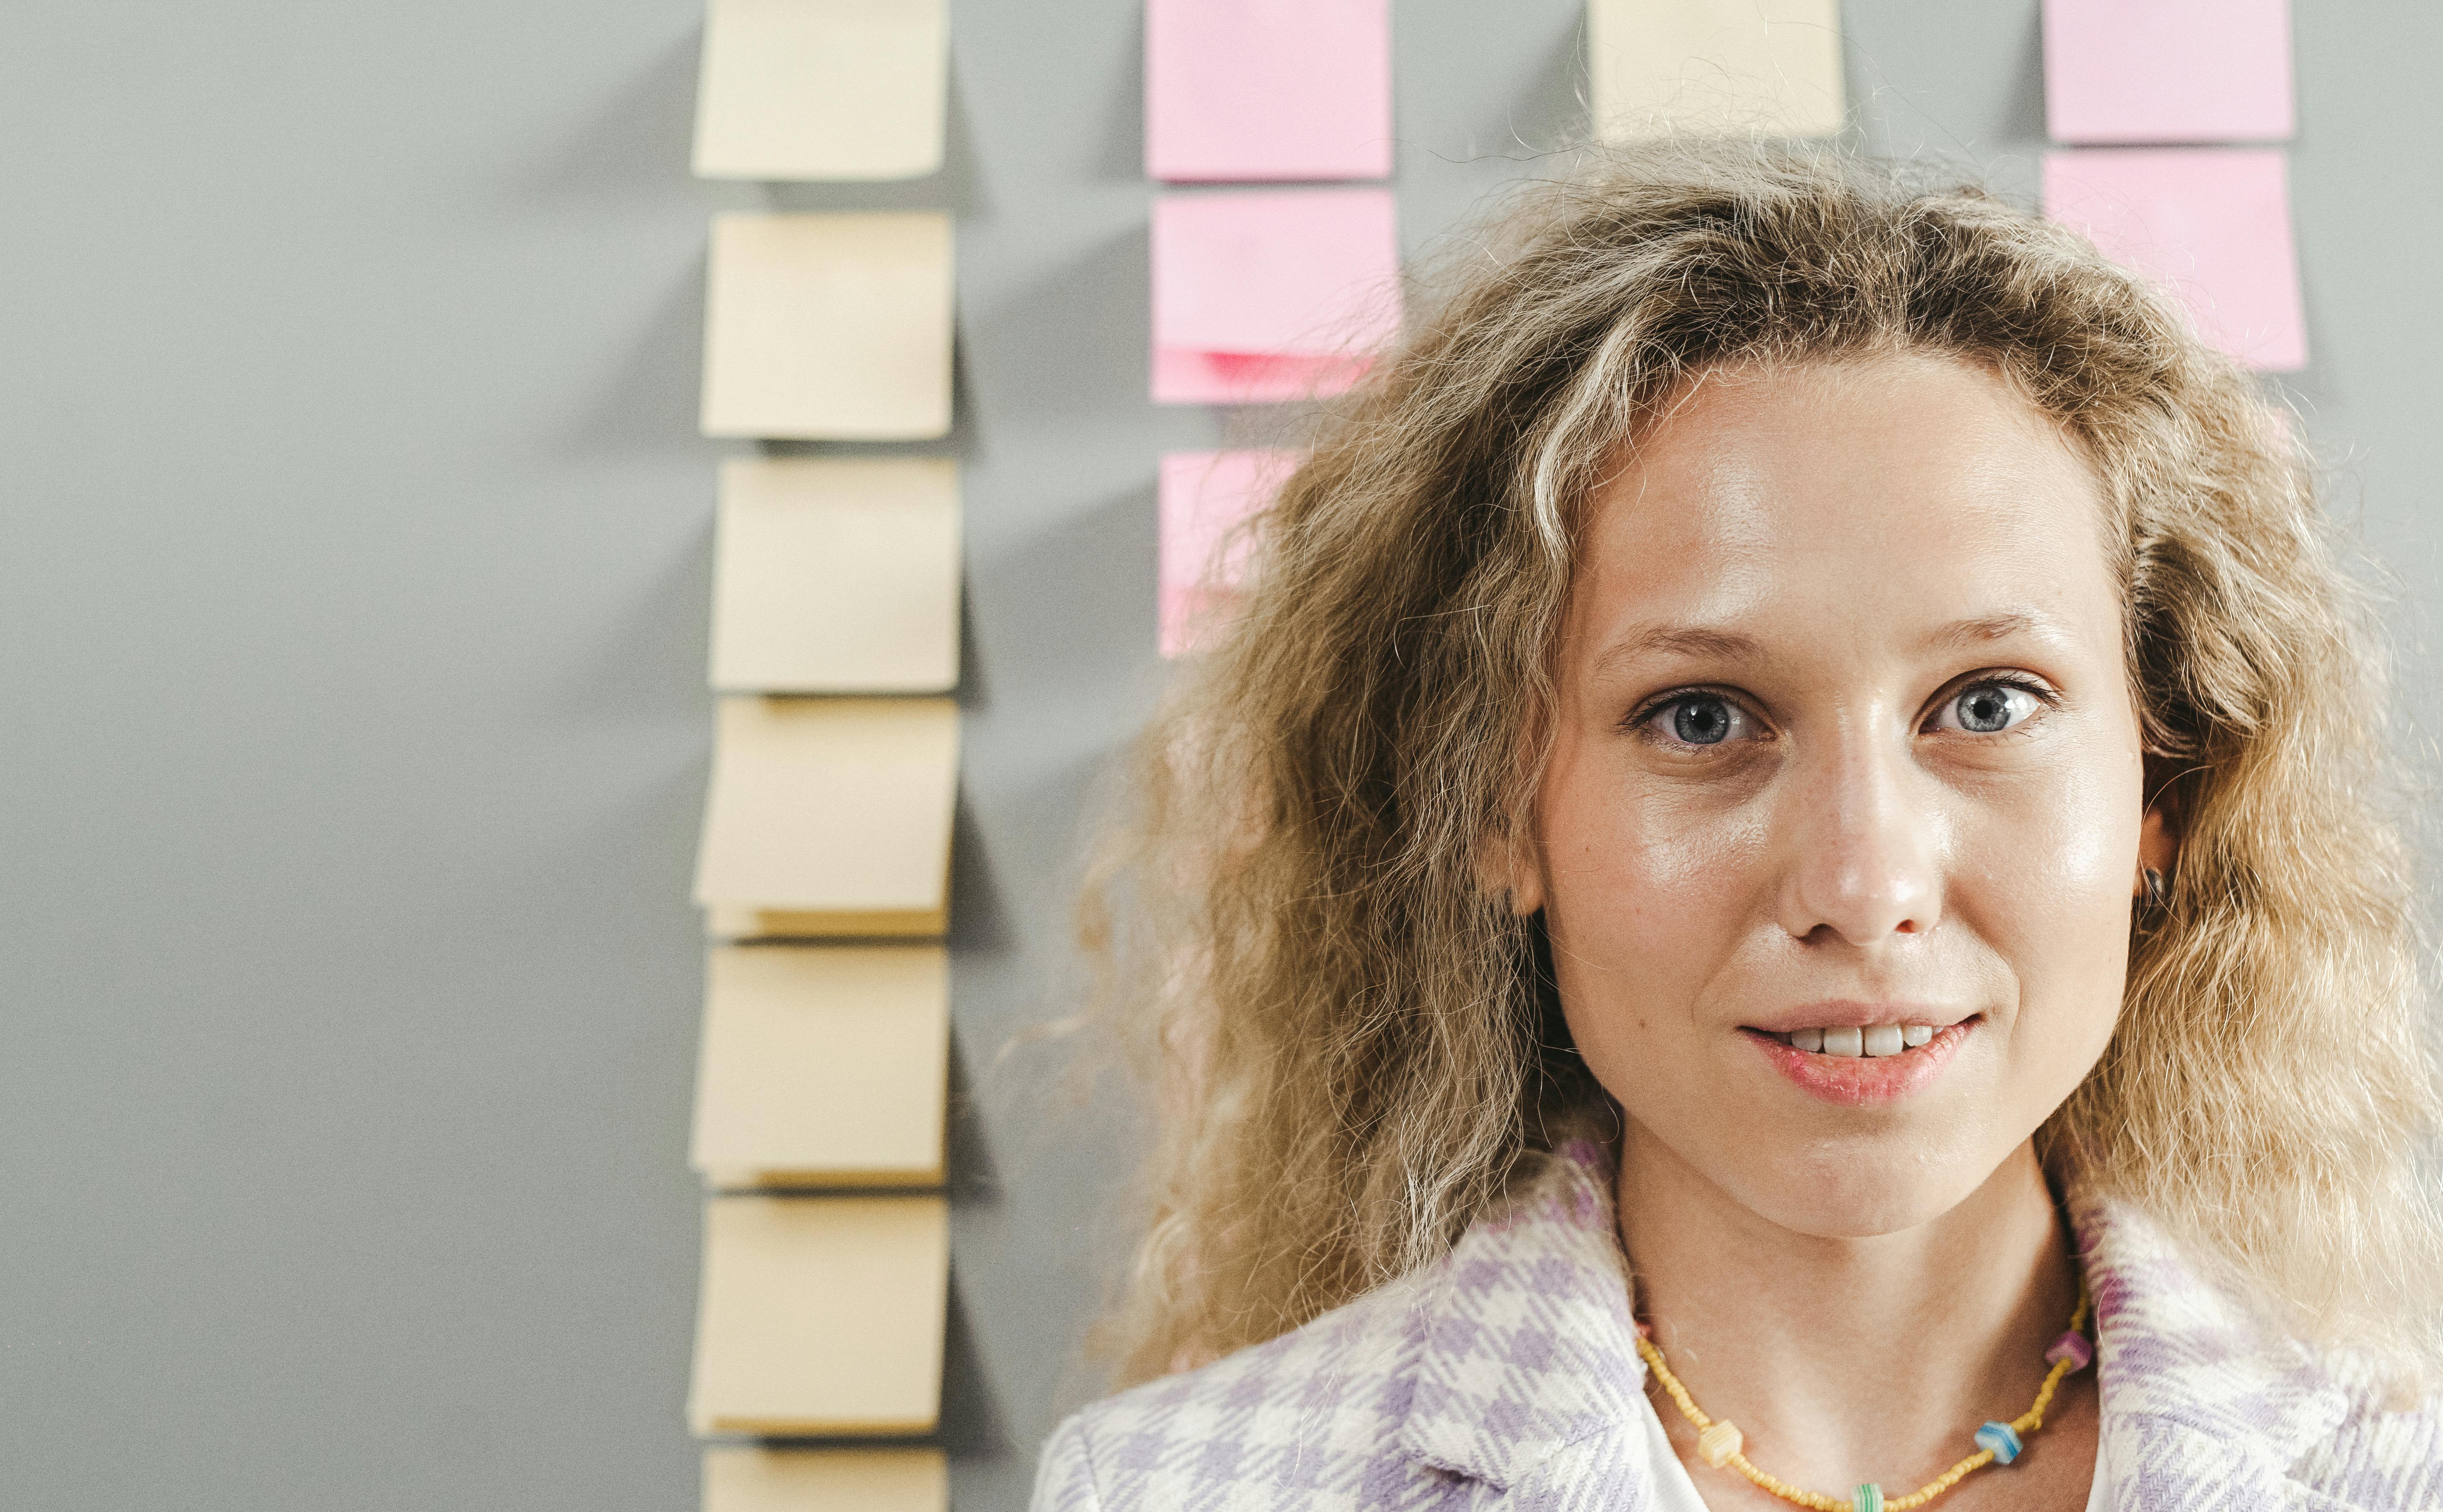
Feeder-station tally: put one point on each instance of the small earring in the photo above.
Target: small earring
(2158, 892)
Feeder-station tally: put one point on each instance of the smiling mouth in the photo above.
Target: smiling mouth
(1864, 1065)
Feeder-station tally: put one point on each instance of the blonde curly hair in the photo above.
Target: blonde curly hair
(1355, 1046)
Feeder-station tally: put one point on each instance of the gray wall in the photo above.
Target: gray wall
(353, 576)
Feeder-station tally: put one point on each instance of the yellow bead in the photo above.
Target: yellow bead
(1718, 1442)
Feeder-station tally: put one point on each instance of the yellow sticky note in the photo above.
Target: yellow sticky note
(843, 89)
(749, 1478)
(820, 1315)
(823, 1065)
(837, 575)
(828, 327)
(830, 816)
(1770, 67)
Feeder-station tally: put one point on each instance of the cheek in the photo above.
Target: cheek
(2046, 857)
(2043, 879)
(1645, 893)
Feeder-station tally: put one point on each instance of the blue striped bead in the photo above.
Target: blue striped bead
(1868, 1498)
(2002, 1439)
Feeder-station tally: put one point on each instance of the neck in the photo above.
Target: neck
(1776, 1329)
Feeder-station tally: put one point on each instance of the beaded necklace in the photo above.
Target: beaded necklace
(1718, 1443)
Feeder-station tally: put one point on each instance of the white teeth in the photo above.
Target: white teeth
(1879, 1039)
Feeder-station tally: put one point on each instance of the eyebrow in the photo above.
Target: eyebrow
(1707, 643)
(1682, 640)
(1986, 630)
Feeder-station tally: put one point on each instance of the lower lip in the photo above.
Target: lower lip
(1864, 1081)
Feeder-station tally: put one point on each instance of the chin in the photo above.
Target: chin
(1859, 1187)
(1859, 1207)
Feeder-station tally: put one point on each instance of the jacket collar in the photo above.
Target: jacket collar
(2202, 1404)
(1528, 1346)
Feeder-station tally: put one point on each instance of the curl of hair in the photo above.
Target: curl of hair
(1354, 1046)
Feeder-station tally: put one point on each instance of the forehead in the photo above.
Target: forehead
(1912, 486)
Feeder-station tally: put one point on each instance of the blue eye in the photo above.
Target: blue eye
(1703, 719)
(1987, 709)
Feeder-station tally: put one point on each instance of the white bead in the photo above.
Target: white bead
(1718, 1442)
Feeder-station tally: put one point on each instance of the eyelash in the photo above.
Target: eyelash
(2046, 699)
(1642, 719)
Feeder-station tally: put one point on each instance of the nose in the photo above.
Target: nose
(1864, 842)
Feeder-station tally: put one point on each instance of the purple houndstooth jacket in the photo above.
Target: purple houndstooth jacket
(1507, 1376)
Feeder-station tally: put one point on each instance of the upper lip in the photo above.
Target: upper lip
(1843, 1013)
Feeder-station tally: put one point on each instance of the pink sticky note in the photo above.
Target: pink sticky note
(2213, 225)
(1268, 89)
(1271, 295)
(2167, 70)
(1204, 497)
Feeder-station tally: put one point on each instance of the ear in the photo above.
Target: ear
(1511, 865)
(2158, 846)
(2159, 834)
(1510, 858)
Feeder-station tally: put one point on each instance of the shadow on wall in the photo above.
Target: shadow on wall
(638, 141)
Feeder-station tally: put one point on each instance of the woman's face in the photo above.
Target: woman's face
(1837, 843)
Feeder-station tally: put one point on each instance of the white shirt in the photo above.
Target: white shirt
(1675, 1492)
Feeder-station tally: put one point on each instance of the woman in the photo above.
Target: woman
(1786, 848)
